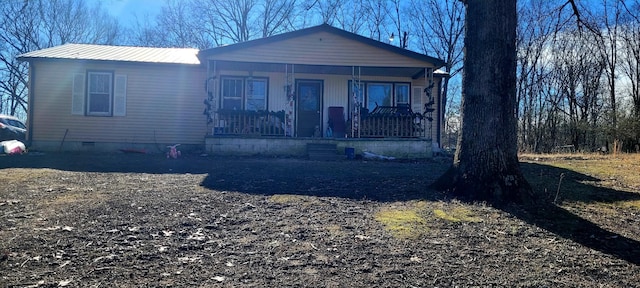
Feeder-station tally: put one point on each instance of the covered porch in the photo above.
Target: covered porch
(321, 84)
(306, 104)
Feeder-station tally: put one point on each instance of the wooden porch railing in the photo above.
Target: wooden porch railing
(240, 122)
(380, 123)
(392, 121)
(385, 125)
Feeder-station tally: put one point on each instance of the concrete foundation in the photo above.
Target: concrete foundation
(409, 148)
(296, 147)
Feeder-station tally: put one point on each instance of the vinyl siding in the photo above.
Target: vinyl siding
(321, 49)
(163, 104)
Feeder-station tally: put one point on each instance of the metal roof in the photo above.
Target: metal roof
(116, 53)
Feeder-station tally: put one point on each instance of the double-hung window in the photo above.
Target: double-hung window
(232, 91)
(239, 93)
(401, 93)
(100, 93)
(256, 99)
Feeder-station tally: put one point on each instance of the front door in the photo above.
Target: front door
(309, 116)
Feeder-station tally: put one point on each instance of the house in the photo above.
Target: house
(273, 95)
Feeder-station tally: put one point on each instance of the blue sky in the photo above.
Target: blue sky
(126, 10)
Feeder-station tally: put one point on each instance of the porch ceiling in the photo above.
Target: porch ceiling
(413, 72)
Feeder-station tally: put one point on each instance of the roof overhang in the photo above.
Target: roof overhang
(91, 52)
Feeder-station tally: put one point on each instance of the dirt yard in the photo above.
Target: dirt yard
(131, 220)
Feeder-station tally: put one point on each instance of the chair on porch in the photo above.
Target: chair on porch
(337, 122)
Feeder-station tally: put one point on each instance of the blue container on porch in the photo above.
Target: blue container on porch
(350, 152)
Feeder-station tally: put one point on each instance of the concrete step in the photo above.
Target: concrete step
(323, 152)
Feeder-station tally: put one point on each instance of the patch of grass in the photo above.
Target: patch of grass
(17, 175)
(630, 204)
(290, 198)
(403, 223)
(621, 168)
(335, 231)
(285, 198)
(72, 198)
(412, 221)
(601, 181)
(458, 214)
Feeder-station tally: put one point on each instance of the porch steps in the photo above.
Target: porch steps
(323, 152)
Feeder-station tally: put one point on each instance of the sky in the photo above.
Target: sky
(126, 10)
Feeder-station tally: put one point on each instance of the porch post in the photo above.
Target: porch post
(290, 104)
(211, 102)
(428, 106)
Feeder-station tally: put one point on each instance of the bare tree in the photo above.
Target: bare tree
(326, 9)
(15, 38)
(562, 93)
(38, 24)
(578, 84)
(277, 16)
(630, 64)
(439, 27)
(376, 11)
(232, 19)
(609, 46)
(631, 54)
(176, 26)
(396, 14)
(535, 35)
(211, 23)
(353, 17)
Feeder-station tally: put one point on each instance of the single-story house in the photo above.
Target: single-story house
(275, 95)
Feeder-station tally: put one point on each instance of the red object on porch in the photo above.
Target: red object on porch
(337, 122)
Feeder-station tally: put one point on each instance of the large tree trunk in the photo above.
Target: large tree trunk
(486, 161)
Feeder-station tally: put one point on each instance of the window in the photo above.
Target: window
(240, 93)
(379, 94)
(232, 94)
(99, 93)
(105, 94)
(402, 94)
(256, 95)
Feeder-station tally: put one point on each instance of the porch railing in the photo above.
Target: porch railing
(242, 122)
(377, 124)
(385, 125)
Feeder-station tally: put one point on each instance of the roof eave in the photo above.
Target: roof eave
(30, 59)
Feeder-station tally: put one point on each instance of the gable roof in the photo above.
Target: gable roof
(318, 29)
(116, 53)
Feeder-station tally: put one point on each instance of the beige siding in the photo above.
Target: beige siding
(164, 104)
(321, 49)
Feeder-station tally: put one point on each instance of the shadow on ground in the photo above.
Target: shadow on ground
(359, 180)
(366, 180)
(391, 182)
(575, 187)
(356, 179)
(109, 162)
